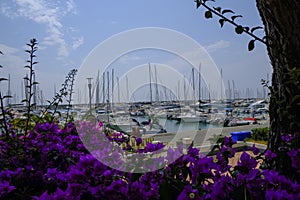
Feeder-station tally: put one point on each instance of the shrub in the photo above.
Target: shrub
(260, 134)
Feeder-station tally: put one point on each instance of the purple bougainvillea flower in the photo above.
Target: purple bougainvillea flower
(5, 188)
(150, 147)
(270, 155)
(138, 141)
(228, 142)
(287, 138)
(223, 188)
(247, 162)
(295, 158)
(254, 149)
(188, 193)
(278, 194)
(100, 124)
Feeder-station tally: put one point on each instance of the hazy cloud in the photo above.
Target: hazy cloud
(48, 13)
(217, 45)
(11, 61)
(77, 42)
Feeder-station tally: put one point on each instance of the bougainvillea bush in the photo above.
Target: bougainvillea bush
(53, 162)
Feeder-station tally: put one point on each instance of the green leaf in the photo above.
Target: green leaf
(227, 11)
(35, 83)
(295, 99)
(235, 16)
(256, 28)
(221, 21)
(218, 9)
(198, 3)
(3, 79)
(239, 29)
(246, 28)
(251, 45)
(1, 52)
(208, 14)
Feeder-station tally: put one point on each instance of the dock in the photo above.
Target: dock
(202, 138)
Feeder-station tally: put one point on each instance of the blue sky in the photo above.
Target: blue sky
(68, 31)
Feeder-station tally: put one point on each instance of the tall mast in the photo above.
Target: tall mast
(221, 85)
(150, 84)
(229, 90)
(193, 79)
(184, 90)
(178, 92)
(103, 88)
(127, 89)
(108, 97)
(118, 82)
(22, 90)
(209, 92)
(112, 87)
(199, 89)
(8, 90)
(97, 82)
(156, 86)
(233, 90)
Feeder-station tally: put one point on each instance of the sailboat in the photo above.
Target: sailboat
(193, 116)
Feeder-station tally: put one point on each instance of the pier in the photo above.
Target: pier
(203, 139)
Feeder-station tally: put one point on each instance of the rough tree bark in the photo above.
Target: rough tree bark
(281, 19)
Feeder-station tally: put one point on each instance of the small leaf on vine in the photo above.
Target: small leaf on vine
(235, 16)
(246, 28)
(227, 11)
(221, 21)
(3, 79)
(1, 52)
(208, 14)
(198, 3)
(239, 29)
(255, 28)
(218, 9)
(251, 45)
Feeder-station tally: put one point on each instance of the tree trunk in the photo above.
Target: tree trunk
(281, 19)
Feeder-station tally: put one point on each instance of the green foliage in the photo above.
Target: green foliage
(227, 15)
(3, 120)
(239, 29)
(66, 91)
(30, 82)
(251, 45)
(71, 79)
(208, 14)
(260, 134)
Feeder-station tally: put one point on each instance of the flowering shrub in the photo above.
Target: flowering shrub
(63, 163)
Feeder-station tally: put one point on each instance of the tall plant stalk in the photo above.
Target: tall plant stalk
(3, 120)
(31, 83)
(71, 76)
(63, 93)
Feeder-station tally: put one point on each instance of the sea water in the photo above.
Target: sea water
(172, 126)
